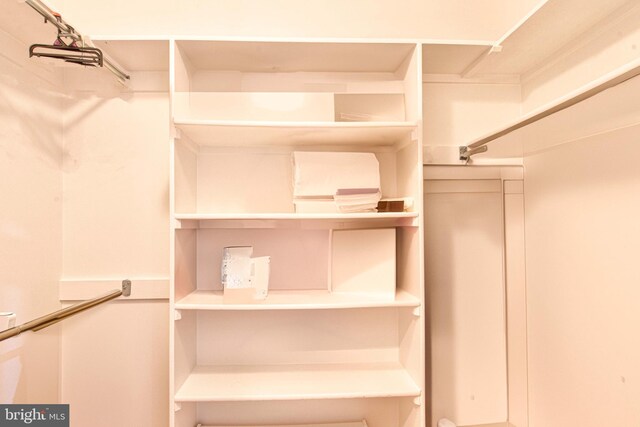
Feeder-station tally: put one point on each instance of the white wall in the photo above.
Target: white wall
(116, 226)
(583, 241)
(30, 221)
(442, 19)
(456, 113)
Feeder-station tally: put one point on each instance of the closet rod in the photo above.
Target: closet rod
(57, 316)
(69, 31)
(619, 77)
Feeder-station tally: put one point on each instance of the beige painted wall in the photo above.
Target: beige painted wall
(582, 246)
(30, 221)
(443, 19)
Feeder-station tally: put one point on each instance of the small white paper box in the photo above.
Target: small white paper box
(364, 261)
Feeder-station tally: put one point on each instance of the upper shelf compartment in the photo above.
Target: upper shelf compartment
(258, 133)
(283, 89)
(291, 56)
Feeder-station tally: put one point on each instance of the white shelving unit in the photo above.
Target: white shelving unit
(240, 109)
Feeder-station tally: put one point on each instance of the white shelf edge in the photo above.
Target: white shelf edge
(355, 40)
(297, 382)
(295, 216)
(611, 79)
(294, 124)
(535, 9)
(306, 300)
(496, 46)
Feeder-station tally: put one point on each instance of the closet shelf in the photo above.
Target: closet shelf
(275, 220)
(297, 300)
(224, 133)
(549, 27)
(296, 382)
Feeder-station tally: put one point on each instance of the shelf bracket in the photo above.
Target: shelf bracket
(175, 132)
(177, 406)
(418, 400)
(416, 311)
(470, 71)
(177, 315)
(466, 152)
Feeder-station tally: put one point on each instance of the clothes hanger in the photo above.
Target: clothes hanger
(72, 52)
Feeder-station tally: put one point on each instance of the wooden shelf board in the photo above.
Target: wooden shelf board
(297, 300)
(266, 133)
(296, 382)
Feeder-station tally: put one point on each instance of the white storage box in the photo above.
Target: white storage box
(364, 261)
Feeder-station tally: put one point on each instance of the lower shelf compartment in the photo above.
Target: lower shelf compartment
(296, 382)
(362, 423)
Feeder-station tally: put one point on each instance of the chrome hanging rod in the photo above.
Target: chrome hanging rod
(57, 316)
(68, 31)
(479, 146)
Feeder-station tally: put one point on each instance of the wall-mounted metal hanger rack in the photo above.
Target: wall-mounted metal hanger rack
(79, 50)
(57, 316)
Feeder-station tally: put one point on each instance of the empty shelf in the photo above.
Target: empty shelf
(297, 300)
(296, 382)
(267, 133)
(246, 220)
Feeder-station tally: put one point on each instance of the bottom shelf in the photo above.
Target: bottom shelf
(362, 423)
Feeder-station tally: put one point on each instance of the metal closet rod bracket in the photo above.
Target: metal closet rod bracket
(57, 316)
(466, 152)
